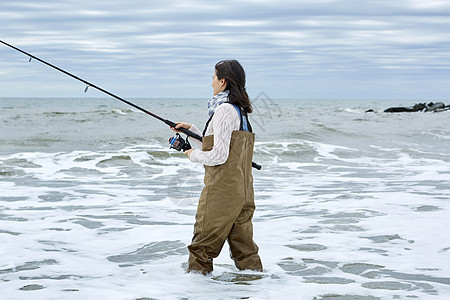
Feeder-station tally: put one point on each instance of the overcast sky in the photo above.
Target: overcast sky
(290, 49)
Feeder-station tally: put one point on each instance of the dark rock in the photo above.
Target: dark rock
(435, 106)
(417, 107)
(430, 107)
(398, 109)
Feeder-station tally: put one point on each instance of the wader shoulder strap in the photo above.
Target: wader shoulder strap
(245, 124)
(206, 126)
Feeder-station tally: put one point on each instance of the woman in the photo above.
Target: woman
(226, 204)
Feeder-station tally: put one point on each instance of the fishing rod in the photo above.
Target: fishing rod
(177, 142)
(88, 84)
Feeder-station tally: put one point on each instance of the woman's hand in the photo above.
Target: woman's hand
(188, 152)
(181, 125)
(187, 126)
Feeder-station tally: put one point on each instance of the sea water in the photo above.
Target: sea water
(350, 205)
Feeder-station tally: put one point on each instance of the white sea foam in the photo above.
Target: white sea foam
(347, 217)
(99, 216)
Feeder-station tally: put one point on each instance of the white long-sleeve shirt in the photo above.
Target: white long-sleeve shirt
(224, 122)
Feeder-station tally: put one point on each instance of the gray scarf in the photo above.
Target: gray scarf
(215, 101)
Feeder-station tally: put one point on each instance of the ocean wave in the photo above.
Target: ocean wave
(438, 134)
(354, 209)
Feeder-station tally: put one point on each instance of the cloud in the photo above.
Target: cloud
(289, 48)
(430, 4)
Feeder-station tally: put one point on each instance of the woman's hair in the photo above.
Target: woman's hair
(234, 75)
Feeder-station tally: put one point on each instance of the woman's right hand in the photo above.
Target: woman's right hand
(181, 125)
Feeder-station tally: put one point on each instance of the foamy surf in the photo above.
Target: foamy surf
(347, 213)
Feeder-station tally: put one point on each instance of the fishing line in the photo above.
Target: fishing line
(89, 84)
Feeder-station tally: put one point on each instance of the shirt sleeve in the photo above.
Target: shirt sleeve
(195, 130)
(224, 122)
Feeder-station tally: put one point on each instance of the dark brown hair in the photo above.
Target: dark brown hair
(234, 75)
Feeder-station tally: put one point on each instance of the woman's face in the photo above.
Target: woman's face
(218, 85)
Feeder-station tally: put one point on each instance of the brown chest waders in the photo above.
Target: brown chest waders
(225, 208)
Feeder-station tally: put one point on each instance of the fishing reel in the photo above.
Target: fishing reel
(178, 143)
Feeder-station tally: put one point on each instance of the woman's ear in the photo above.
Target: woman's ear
(223, 81)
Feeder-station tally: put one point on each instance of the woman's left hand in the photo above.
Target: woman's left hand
(181, 125)
(188, 152)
